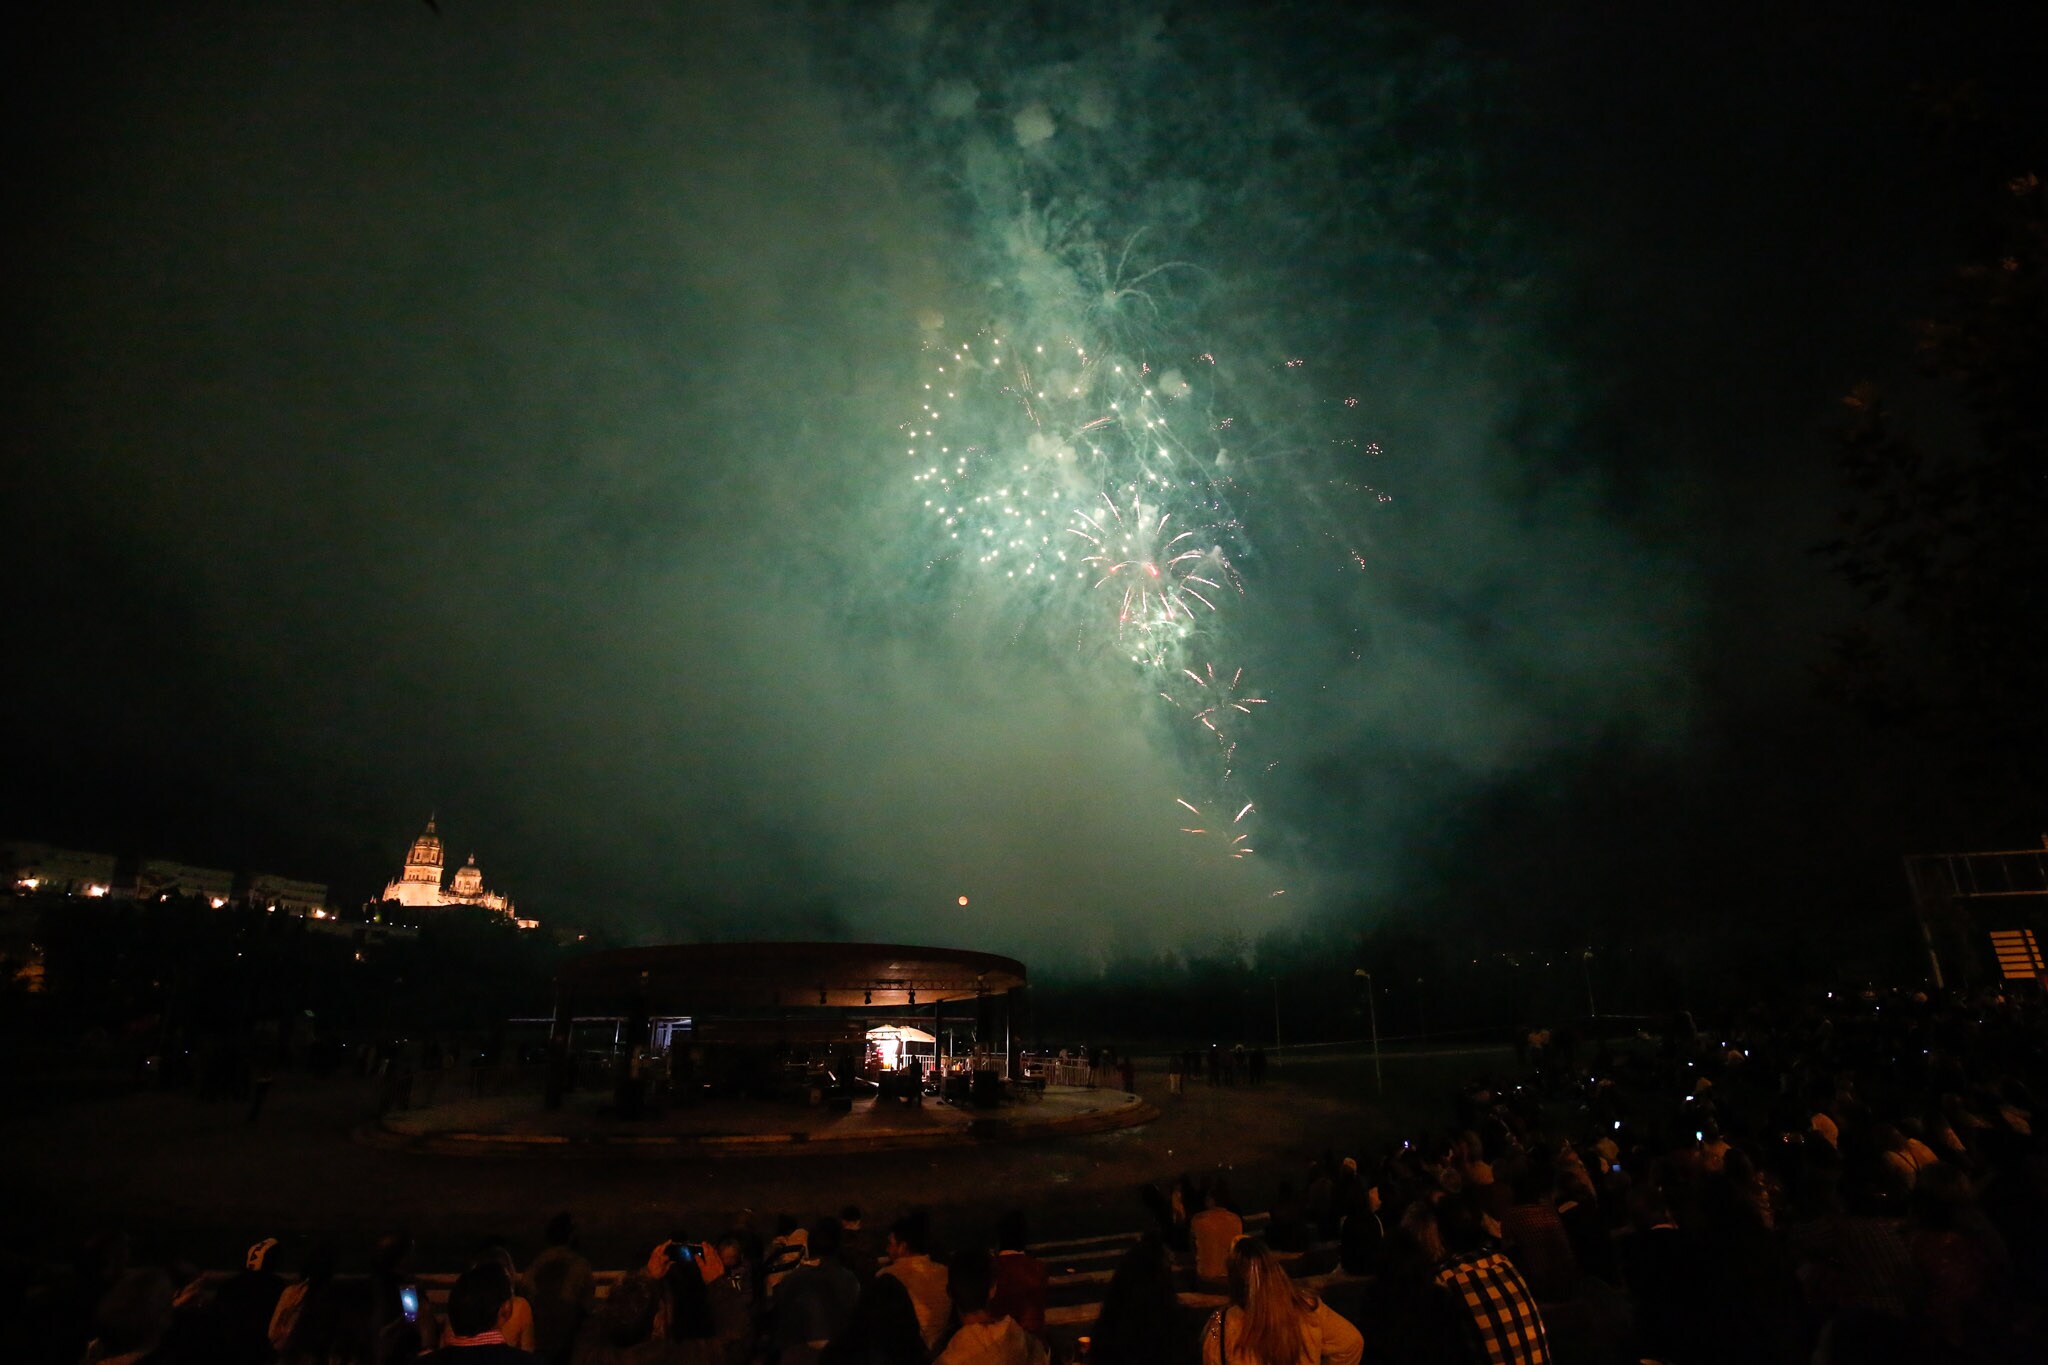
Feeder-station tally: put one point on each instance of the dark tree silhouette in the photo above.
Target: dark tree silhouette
(1945, 534)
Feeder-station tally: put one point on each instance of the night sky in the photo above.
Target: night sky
(500, 412)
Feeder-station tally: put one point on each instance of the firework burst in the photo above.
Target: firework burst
(1221, 703)
(1061, 475)
(1216, 825)
(1161, 574)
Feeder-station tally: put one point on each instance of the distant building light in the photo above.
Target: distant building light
(31, 883)
(217, 902)
(319, 914)
(96, 890)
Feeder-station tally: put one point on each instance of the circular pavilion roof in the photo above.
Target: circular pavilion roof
(705, 977)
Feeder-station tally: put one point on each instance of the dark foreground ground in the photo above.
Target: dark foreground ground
(195, 1180)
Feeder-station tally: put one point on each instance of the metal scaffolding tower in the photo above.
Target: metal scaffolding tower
(1959, 893)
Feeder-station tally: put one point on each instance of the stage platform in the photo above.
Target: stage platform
(516, 1124)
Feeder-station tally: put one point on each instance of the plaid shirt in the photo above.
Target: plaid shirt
(1501, 1322)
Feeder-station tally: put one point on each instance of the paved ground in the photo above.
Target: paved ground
(467, 1125)
(195, 1179)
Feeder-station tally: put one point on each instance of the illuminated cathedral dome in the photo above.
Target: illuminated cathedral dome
(420, 883)
(426, 850)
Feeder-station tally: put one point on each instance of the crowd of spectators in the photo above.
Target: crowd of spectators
(819, 1294)
(1857, 1180)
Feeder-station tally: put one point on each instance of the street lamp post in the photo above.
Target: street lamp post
(1586, 969)
(1372, 1011)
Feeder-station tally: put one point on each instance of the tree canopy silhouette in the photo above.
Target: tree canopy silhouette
(1945, 534)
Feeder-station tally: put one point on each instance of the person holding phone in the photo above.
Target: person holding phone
(686, 1270)
(680, 1251)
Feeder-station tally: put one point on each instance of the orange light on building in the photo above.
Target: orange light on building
(96, 890)
(963, 900)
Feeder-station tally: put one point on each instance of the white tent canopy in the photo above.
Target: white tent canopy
(900, 1034)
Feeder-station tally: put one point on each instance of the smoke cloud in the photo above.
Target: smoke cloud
(508, 410)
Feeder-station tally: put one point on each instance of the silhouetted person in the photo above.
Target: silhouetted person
(1142, 1321)
(883, 1330)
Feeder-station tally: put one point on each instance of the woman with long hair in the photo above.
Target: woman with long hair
(1269, 1321)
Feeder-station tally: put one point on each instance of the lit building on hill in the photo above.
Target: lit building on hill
(70, 871)
(420, 885)
(32, 868)
(160, 879)
(273, 893)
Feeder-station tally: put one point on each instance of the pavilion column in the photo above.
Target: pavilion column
(1009, 1038)
(558, 1050)
(628, 1086)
